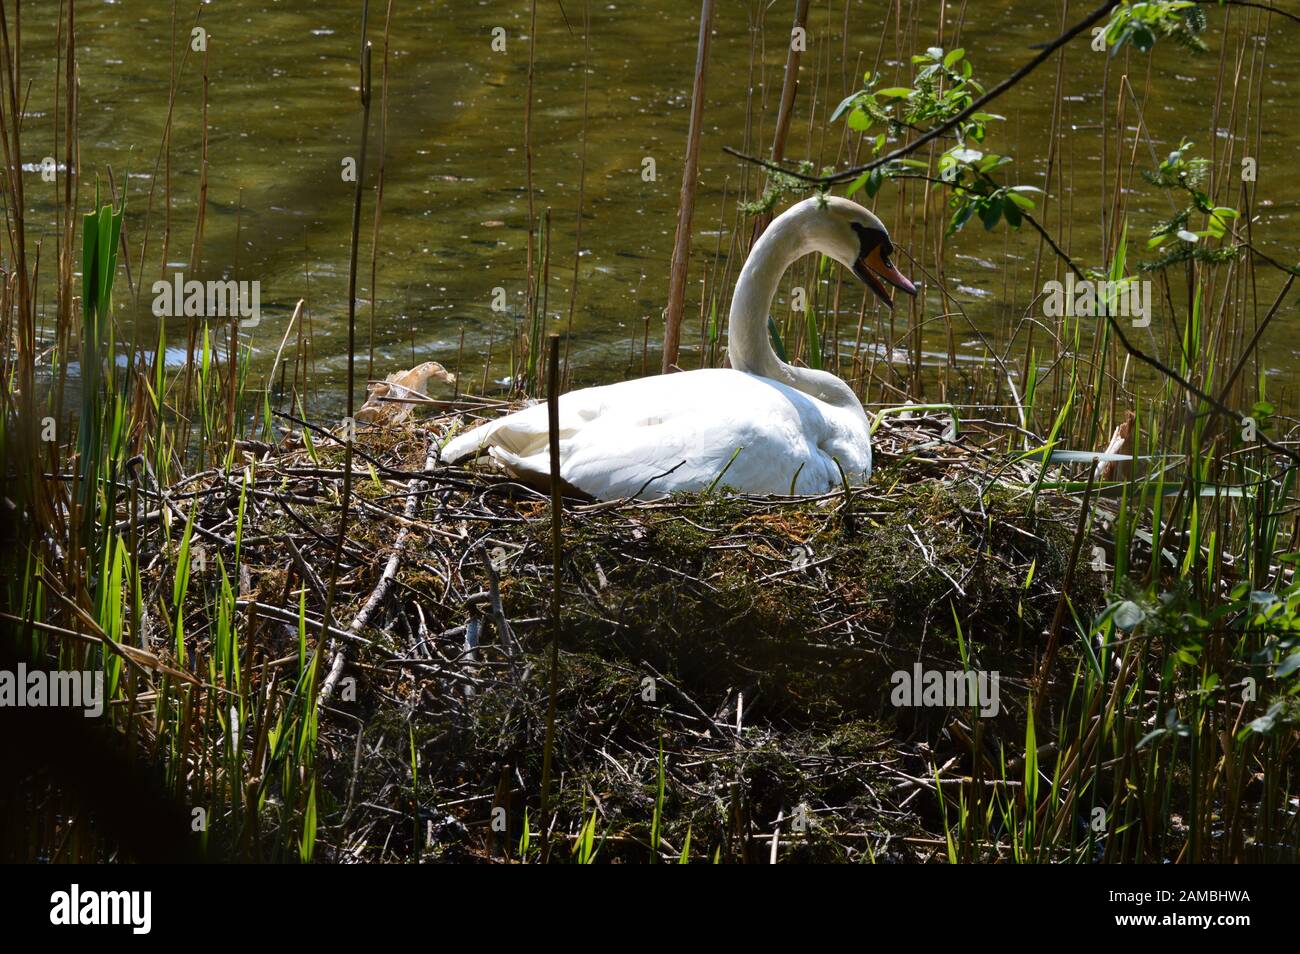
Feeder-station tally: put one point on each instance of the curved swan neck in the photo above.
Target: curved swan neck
(749, 345)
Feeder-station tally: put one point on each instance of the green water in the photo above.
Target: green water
(284, 113)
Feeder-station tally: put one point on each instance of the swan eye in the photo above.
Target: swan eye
(871, 239)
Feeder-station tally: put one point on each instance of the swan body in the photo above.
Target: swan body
(762, 426)
(678, 432)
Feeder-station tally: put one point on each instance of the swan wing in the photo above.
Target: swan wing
(678, 432)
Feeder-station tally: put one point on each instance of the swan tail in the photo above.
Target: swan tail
(520, 444)
(468, 444)
(514, 437)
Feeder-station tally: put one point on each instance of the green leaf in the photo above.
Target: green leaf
(1266, 723)
(1287, 666)
(845, 105)
(1127, 615)
(961, 217)
(1143, 39)
(814, 341)
(777, 344)
(1012, 214)
(874, 182)
(991, 212)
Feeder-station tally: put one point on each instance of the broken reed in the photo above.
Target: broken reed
(557, 553)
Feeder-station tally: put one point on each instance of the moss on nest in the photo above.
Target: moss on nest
(681, 621)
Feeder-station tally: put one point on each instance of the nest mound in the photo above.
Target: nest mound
(725, 661)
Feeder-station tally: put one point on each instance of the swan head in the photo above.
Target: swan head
(854, 237)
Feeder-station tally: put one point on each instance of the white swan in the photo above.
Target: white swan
(769, 424)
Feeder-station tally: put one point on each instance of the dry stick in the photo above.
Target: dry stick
(553, 424)
(275, 365)
(1246, 3)
(196, 246)
(165, 152)
(686, 202)
(1215, 404)
(504, 632)
(947, 124)
(546, 271)
(582, 178)
(336, 665)
(1058, 618)
(530, 302)
(36, 497)
(1054, 160)
(174, 82)
(789, 86)
(978, 104)
(1254, 340)
(379, 195)
(415, 489)
(71, 178)
(11, 119)
(309, 575)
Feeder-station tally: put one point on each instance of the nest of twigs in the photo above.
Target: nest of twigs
(741, 646)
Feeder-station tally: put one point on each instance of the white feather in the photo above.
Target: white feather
(661, 435)
(767, 424)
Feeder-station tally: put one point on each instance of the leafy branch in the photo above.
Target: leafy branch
(943, 89)
(1176, 236)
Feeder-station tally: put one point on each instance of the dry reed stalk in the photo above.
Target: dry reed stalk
(582, 183)
(789, 87)
(530, 305)
(680, 264)
(379, 193)
(337, 663)
(557, 516)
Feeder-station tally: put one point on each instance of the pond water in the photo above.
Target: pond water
(284, 114)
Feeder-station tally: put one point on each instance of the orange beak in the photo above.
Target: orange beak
(875, 270)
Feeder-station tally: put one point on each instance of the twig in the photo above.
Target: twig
(557, 502)
(937, 131)
(686, 201)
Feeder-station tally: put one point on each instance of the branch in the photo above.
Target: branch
(966, 113)
(1084, 24)
(1246, 3)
